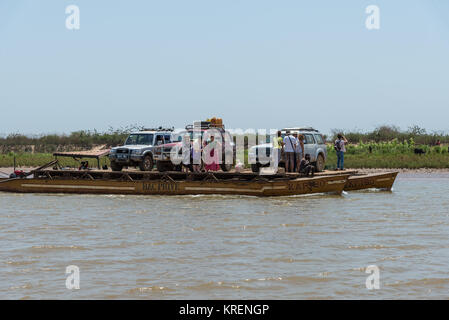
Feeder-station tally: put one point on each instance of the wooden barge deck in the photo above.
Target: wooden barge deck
(172, 183)
(179, 183)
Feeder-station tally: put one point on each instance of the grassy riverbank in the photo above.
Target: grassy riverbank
(356, 161)
(392, 154)
(393, 161)
(39, 159)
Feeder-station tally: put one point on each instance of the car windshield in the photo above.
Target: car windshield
(139, 138)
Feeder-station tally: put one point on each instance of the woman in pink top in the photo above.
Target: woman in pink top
(212, 148)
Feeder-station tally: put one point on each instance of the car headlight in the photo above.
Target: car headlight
(137, 152)
(113, 151)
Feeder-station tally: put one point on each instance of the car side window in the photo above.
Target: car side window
(319, 139)
(159, 139)
(309, 139)
(167, 138)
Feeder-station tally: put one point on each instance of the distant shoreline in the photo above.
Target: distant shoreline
(403, 170)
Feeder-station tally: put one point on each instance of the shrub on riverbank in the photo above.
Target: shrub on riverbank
(78, 140)
(392, 147)
(389, 133)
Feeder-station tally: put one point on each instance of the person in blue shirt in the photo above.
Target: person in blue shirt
(339, 146)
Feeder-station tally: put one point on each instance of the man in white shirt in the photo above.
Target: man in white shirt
(289, 149)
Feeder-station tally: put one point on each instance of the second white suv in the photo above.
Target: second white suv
(314, 145)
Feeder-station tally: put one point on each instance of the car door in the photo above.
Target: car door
(310, 146)
(167, 138)
(321, 145)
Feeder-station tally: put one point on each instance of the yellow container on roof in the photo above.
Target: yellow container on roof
(215, 122)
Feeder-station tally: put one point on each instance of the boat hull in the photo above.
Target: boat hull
(333, 184)
(382, 181)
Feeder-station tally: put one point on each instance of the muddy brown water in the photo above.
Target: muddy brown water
(229, 247)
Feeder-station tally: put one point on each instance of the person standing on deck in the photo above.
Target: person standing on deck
(186, 153)
(212, 149)
(340, 148)
(278, 144)
(196, 155)
(289, 148)
(299, 151)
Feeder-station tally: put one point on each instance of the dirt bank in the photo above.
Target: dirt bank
(418, 171)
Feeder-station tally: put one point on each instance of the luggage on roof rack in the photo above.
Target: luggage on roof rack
(214, 123)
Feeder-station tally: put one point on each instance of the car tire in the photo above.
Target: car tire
(163, 166)
(226, 167)
(319, 164)
(147, 163)
(255, 168)
(115, 166)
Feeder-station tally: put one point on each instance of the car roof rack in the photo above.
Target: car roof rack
(203, 125)
(300, 129)
(158, 129)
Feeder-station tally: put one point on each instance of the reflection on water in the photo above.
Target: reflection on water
(206, 247)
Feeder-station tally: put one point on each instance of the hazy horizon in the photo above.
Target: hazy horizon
(256, 64)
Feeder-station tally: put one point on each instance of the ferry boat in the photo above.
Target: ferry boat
(173, 183)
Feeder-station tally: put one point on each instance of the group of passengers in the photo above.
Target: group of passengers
(193, 151)
(291, 146)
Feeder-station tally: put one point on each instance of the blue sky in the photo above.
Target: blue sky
(255, 63)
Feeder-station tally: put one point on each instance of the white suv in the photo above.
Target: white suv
(314, 145)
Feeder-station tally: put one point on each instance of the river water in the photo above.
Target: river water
(229, 247)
